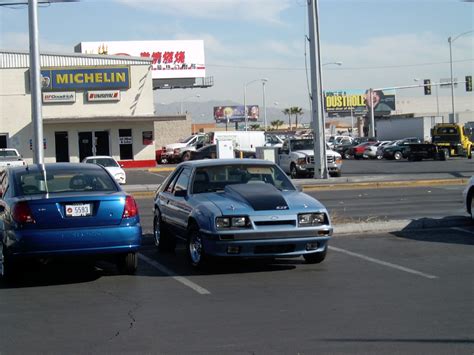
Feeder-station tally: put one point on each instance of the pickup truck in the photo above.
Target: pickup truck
(296, 157)
(10, 157)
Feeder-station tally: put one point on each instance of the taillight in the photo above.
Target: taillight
(131, 208)
(22, 213)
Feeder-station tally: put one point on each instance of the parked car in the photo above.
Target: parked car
(344, 148)
(110, 164)
(357, 152)
(333, 141)
(10, 157)
(238, 208)
(420, 151)
(399, 149)
(370, 151)
(181, 151)
(381, 147)
(66, 209)
(296, 157)
(468, 196)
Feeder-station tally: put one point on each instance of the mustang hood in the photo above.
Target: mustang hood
(261, 197)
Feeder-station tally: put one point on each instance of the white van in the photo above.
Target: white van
(245, 141)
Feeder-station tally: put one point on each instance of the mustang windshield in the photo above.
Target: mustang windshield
(216, 178)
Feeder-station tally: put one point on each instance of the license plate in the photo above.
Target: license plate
(78, 210)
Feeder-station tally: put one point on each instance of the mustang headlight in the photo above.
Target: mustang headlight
(311, 219)
(232, 222)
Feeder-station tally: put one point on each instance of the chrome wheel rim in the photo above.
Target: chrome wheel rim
(195, 248)
(157, 231)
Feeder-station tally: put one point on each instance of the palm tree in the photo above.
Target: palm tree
(297, 111)
(276, 123)
(254, 127)
(287, 111)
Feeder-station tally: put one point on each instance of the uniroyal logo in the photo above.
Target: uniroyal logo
(110, 95)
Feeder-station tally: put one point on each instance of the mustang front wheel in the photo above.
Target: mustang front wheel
(195, 249)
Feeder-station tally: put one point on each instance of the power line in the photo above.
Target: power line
(339, 68)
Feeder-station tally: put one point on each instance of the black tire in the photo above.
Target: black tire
(163, 239)
(128, 264)
(397, 155)
(469, 203)
(346, 155)
(336, 173)
(186, 156)
(316, 258)
(446, 154)
(469, 154)
(294, 172)
(8, 268)
(195, 249)
(379, 157)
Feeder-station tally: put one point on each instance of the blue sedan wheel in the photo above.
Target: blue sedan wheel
(7, 269)
(195, 249)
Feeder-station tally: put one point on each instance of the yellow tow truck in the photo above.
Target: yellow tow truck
(453, 138)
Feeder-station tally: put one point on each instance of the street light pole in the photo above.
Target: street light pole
(450, 41)
(181, 105)
(264, 107)
(263, 80)
(35, 82)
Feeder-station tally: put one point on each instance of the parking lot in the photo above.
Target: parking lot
(383, 293)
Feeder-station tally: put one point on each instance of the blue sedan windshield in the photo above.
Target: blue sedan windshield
(67, 180)
(216, 178)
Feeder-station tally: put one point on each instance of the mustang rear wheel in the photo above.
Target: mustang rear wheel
(316, 258)
(128, 263)
(195, 249)
(164, 241)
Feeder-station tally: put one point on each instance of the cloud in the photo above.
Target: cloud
(269, 11)
(21, 41)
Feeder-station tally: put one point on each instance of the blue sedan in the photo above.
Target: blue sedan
(66, 209)
(244, 208)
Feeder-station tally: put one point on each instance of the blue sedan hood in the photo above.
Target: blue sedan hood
(242, 199)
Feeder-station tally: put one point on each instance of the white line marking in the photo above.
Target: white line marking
(381, 262)
(462, 230)
(180, 279)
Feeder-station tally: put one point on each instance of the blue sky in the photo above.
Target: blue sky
(381, 43)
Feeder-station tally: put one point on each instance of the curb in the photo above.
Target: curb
(383, 184)
(400, 225)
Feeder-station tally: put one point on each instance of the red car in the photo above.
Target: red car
(358, 151)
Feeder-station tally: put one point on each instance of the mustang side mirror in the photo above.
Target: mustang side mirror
(180, 193)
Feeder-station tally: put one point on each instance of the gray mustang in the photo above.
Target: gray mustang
(238, 208)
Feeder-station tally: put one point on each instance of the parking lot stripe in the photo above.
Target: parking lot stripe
(183, 280)
(462, 230)
(385, 263)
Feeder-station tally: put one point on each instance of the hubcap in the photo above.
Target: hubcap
(293, 172)
(195, 248)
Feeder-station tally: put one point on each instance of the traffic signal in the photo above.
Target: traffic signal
(427, 83)
(469, 83)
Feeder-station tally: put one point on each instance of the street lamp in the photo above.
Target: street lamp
(450, 41)
(437, 97)
(335, 63)
(189, 97)
(263, 80)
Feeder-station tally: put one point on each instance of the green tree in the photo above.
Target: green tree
(254, 127)
(287, 111)
(297, 111)
(276, 123)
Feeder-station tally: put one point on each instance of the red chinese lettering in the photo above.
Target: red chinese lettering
(156, 57)
(145, 54)
(168, 57)
(179, 57)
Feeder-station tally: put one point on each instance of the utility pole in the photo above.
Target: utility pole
(35, 83)
(317, 114)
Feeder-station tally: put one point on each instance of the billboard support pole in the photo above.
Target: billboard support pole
(372, 114)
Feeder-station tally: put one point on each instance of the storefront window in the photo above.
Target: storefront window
(125, 144)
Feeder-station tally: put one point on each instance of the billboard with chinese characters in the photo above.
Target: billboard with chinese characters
(171, 59)
(346, 102)
(223, 114)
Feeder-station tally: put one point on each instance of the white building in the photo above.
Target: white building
(92, 105)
